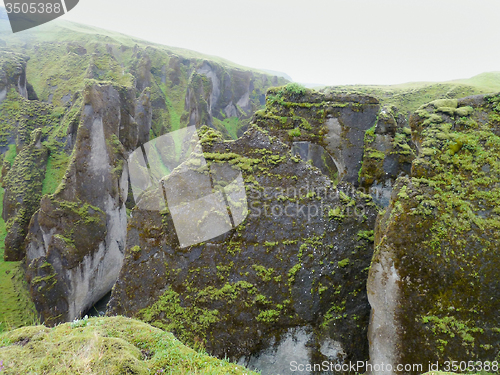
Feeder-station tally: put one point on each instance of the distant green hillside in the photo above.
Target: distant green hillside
(186, 87)
(408, 97)
(16, 308)
(65, 31)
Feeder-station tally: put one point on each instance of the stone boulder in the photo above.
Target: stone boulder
(294, 270)
(435, 275)
(76, 240)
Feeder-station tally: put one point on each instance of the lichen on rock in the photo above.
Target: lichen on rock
(240, 292)
(436, 264)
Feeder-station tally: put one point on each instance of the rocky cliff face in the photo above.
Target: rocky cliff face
(215, 96)
(287, 271)
(337, 122)
(21, 132)
(388, 152)
(295, 267)
(13, 74)
(64, 169)
(370, 146)
(76, 241)
(435, 270)
(185, 90)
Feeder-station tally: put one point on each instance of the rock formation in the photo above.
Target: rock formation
(434, 276)
(64, 168)
(76, 241)
(295, 266)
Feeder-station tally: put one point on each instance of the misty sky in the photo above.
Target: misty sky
(320, 41)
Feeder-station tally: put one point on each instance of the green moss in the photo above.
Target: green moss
(232, 125)
(375, 154)
(409, 97)
(10, 155)
(177, 316)
(268, 316)
(336, 213)
(344, 262)
(370, 135)
(84, 210)
(113, 346)
(366, 235)
(188, 317)
(56, 169)
(16, 307)
(295, 132)
(449, 211)
(445, 103)
(292, 272)
(295, 89)
(264, 273)
(448, 327)
(464, 111)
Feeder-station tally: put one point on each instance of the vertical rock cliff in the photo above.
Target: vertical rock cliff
(65, 141)
(292, 273)
(76, 241)
(435, 274)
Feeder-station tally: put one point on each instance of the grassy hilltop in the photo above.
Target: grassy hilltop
(111, 346)
(408, 97)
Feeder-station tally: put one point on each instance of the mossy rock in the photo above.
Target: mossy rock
(337, 122)
(242, 291)
(436, 245)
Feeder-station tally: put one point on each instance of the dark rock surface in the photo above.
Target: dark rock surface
(76, 240)
(337, 122)
(243, 293)
(434, 279)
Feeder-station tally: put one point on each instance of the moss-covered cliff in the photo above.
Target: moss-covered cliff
(297, 262)
(186, 87)
(96, 96)
(436, 245)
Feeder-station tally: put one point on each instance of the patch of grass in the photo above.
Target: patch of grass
(113, 345)
(56, 168)
(11, 154)
(232, 126)
(410, 96)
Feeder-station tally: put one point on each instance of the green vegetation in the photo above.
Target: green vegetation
(336, 213)
(111, 346)
(295, 89)
(16, 308)
(366, 235)
(447, 217)
(56, 169)
(10, 155)
(294, 133)
(409, 97)
(268, 316)
(344, 262)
